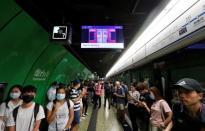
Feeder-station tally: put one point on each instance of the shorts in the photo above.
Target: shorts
(77, 117)
(120, 106)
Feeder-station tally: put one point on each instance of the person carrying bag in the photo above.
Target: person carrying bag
(161, 113)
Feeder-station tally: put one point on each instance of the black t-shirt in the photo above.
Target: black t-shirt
(146, 98)
(107, 89)
(141, 111)
(183, 122)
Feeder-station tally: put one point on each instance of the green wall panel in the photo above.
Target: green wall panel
(59, 74)
(65, 71)
(21, 43)
(8, 9)
(43, 67)
(29, 57)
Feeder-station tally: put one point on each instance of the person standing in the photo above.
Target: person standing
(28, 116)
(133, 97)
(120, 99)
(98, 92)
(60, 112)
(189, 115)
(51, 93)
(85, 99)
(143, 107)
(161, 113)
(12, 101)
(75, 97)
(107, 94)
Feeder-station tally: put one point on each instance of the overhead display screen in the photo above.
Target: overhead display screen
(102, 37)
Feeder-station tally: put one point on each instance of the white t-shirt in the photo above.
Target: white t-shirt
(135, 95)
(62, 116)
(24, 117)
(5, 112)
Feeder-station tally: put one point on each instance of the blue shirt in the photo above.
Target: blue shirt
(120, 100)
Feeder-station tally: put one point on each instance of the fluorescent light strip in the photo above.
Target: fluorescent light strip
(173, 10)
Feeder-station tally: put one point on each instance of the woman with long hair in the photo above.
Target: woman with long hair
(161, 113)
(12, 101)
(133, 98)
(60, 112)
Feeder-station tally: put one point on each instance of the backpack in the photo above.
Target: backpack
(68, 104)
(107, 89)
(125, 89)
(36, 110)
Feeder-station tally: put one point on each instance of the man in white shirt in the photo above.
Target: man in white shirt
(24, 118)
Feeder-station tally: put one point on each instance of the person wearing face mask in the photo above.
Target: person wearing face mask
(75, 95)
(12, 101)
(23, 118)
(143, 107)
(161, 113)
(133, 97)
(51, 94)
(60, 112)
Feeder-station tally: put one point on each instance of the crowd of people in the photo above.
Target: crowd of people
(148, 111)
(68, 104)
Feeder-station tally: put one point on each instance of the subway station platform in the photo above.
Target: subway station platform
(101, 119)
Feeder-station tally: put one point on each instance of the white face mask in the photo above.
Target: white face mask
(60, 96)
(15, 95)
(151, 95)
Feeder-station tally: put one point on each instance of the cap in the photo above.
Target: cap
(189, 84)
(75, 82)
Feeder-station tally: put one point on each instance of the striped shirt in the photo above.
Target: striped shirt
(75, 93)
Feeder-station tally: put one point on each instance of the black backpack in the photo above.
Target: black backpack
(68, 104)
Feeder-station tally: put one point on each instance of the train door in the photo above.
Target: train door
(92, 36)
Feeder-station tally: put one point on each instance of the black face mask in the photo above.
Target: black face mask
(27, 98)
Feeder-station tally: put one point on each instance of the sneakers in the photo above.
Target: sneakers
(82, 118)
(84, 115)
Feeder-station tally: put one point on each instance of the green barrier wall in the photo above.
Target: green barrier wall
(27, 56)
(8, 10)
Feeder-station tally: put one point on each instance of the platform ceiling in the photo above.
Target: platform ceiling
(129, 13)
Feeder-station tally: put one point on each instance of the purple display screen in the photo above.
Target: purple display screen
(102, 37)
